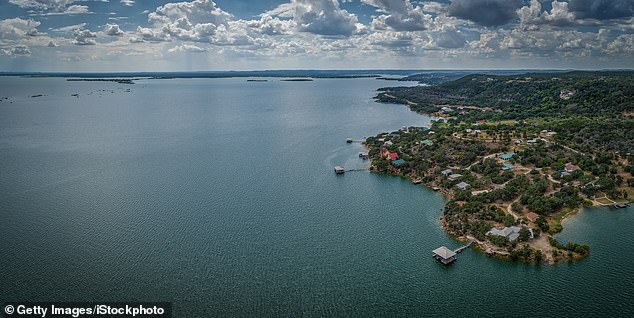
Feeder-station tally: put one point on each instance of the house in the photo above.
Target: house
(446, 110)
(398, 163)
(454, 176)
(570, 167)
(388, 143)
(511, 233)
(531, 141)
(507, 156)
(385, 153)
(447, 172)
(393, 156)
(532, 216)
(427, 142)
(518, 142)
(444, 255)
(463, 186)
(507, 166)
(468, 131)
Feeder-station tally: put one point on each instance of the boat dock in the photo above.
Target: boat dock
(447, 256)
(342, 170)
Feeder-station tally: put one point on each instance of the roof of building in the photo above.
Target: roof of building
(446, 172)
(398, 162)
(393, 155)
(532, 216)
(427, 142)
(454, 176)
(462, 185)
(444, 252)
(512, 233)
(507, 155)
(507, 166)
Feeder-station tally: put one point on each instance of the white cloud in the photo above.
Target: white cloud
(52, 44)
(59, 5)
(271, 25)
(128, 3)
(322, 17)
(186, 48)
(401, 15)
(52, 7)
(198, 20)
(85, 37)
(113, 30)
(17, 50)
(17, 28)
(70, 28)
(531, 16)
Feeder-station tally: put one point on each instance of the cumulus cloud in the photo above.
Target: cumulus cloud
(186, 48)
(485, 12)
(450, 39)
(271, 25)
(58, 5)
(198, 20)
(17, 50)
(52, 7)
(401, 15)
(322, 17)
(85, 37)
(148, 34)
(559, 14)
(17, 28)
(113, 30)
(128, 3)
(623, 44)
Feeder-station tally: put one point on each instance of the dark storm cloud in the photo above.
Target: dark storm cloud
(485, 12)
(602, 9)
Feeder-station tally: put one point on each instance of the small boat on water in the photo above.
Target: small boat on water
(620, 205)
(436, 188)
(339, 170)
(349, 140)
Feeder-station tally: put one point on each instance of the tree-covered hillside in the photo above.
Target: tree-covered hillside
(525, 96)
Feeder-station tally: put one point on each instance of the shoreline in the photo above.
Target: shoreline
(483, 246)
(538, 248)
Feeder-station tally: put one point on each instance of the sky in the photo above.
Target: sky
(205, 35)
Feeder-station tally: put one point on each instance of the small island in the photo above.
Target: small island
(515, 155)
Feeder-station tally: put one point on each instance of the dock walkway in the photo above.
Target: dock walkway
(462, 248)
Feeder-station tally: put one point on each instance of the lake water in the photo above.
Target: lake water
(219, 195)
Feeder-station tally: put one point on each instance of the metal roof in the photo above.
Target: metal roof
(444, 252)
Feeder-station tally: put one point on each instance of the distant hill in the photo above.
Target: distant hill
(525, 95)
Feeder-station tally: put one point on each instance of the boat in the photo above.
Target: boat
(339, 170)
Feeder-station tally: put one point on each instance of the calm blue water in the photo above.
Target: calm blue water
(218, 195)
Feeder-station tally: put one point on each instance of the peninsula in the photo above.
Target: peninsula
(517, 154)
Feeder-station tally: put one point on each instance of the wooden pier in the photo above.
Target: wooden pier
(462, 248)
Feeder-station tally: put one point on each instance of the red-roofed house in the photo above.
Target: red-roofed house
(393, 156)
